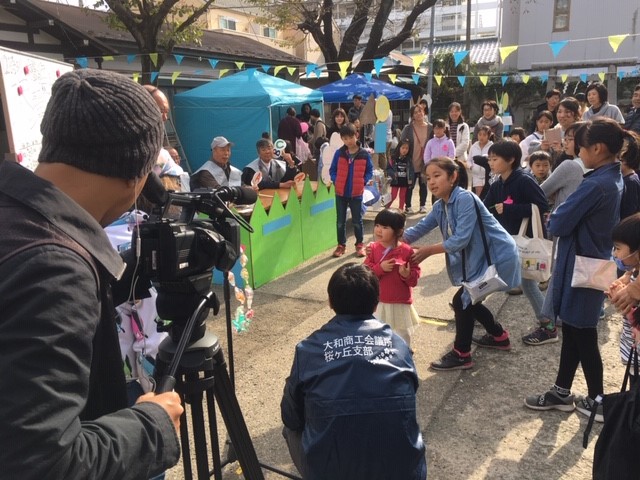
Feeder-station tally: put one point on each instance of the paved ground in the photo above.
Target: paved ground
(474, 422)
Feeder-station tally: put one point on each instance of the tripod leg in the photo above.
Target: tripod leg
(184, 440)
(236, 426)
(199, 435)
(213, 430)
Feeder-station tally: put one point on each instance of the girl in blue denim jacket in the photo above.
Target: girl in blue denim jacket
(455, 214)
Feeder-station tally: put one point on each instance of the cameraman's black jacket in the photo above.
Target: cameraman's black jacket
(62, 376)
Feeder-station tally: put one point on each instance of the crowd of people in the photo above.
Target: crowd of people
(82, 402)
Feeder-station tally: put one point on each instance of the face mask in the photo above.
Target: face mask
(620, 263)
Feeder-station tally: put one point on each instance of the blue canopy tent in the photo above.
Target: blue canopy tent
(239, 107)
(356, 83)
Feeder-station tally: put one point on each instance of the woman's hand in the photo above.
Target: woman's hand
(420, 254)
(499, 208)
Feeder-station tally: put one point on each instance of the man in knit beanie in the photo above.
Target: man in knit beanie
(64, 409)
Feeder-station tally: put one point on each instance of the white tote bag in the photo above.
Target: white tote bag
(593, 273)
(535, 252)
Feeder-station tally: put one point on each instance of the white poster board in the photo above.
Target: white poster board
(26, 82)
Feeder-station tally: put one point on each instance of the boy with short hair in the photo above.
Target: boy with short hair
(351, 169)
(349, 403)
(540, 165)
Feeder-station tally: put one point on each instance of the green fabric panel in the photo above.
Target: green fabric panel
(318, 220)
(275, 246)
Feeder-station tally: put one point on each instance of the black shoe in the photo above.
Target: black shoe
(489, 341)
(453, 361)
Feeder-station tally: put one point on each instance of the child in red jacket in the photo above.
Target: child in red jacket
(390, 260)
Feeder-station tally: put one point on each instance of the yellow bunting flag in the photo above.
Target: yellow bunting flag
(135, 76)
(174, 77)
(239, 65)
(344, 66)
(484, 79)
(277, 69)
(108, 58)
(616, 40)
(506, 51)
(223, 71)
(393, 77)
(438, 78)
(564, 77)
(154, 59)
(601, 76)
(417, 60)
(525, 78)
(292, 70)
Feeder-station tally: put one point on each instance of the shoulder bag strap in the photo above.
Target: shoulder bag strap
(484, 242)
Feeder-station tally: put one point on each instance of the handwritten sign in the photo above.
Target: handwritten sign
(26, 82)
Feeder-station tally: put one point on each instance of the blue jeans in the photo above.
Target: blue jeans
(534, 295)
(355, 205)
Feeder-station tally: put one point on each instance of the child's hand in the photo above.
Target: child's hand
(404, 270)
(499, 208)
(368, 249)
(387, 265)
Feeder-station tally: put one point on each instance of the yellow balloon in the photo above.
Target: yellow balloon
(382, 108)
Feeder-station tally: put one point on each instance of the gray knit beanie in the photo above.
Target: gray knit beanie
(101, 122)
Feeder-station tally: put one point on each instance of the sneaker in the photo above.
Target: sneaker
(543, 286)
(585, 405)
(489, 341)
(423, 209)
(540, 336)
(408, 210)
(453, 361)
(339, 251)
(550, 401)
(515, 291)
(360, 251)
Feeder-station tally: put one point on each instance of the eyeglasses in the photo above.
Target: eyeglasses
(567, 139)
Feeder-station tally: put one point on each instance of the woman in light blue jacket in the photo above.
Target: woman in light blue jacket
(456, 215)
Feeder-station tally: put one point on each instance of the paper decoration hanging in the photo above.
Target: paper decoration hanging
(239, 65)
(601, 76)
(377, 65)
(459, 56)
(620, 75)
(154, 59)
(544, 78)
(135, 76)
(213, 62)
(174, 77)
(277, 69)
(82, 62)
(557, 46)
(438, 79)
(616, 40)
(564, 77)
(292, 70)
(525, 78)
(130, 58)
(308, 69)
(178, 58)
(462, 79)
(223, 72)
(416, 78)
(393, 77)
(583, 77)
(417, 60)
(506, 51)
(154, 75)
(108, 58)
(344, 67)
(368, 76)
(504, 79)
(265, 68)
(484, 79)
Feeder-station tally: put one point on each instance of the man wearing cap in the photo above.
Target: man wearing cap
(64, 403)
(275, 173)
(217, 171)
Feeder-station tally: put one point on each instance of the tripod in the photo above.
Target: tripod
(202, 372)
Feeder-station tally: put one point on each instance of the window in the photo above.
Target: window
(561, 11)
(269, 32)
(228, 23)
(448, 21)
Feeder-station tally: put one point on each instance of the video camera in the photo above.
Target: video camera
(177, 251)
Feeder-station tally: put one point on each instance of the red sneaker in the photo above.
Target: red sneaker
(360, 250)
(339, 251)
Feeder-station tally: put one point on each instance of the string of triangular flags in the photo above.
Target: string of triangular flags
(343, 66)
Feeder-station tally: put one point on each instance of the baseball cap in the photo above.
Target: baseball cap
(220, 142)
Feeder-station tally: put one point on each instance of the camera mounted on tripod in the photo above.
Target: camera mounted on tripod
(184, 239)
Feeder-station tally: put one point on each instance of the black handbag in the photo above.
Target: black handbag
(618, 445)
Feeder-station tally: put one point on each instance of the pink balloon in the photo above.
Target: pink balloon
(305, 127)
